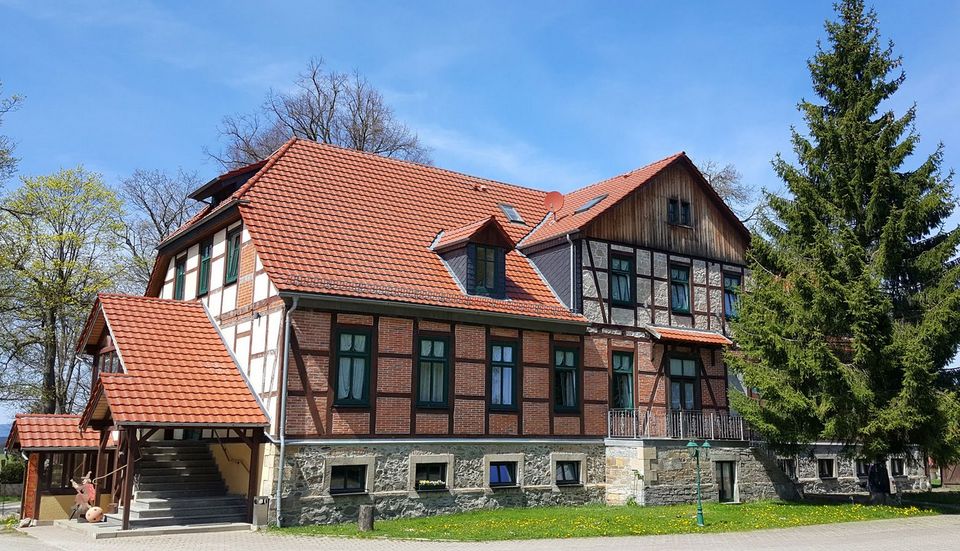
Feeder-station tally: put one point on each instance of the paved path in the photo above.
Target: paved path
(917, 534)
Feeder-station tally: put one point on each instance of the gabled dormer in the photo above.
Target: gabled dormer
(475, 254)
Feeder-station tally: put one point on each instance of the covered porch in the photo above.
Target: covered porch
(187, 426)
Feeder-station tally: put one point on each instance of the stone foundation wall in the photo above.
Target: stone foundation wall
(846, 481)
(661, 472)
(306, 497)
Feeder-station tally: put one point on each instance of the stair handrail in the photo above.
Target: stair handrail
(216, 434)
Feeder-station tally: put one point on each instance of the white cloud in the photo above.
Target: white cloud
(510, 160)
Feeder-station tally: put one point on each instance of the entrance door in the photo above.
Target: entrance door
(726, 480)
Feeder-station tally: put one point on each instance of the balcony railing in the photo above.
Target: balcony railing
(631, 423)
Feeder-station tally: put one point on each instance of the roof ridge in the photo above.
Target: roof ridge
(629, 172)
(49, 415)
(127, 296)
(267, 165)
(420, 165)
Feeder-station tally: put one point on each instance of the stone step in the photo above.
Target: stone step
(215, 502)
(195, 492)
(180, 521)
(174, 469)
(150, 485)
(178, 510)
(174, 477)
(176, 462)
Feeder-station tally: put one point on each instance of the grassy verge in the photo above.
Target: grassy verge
(7, 499)
(569, 522)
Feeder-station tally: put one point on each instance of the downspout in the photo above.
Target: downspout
(282, 429)
(572, 307)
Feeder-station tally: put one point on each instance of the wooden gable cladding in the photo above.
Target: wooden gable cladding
(641, 219)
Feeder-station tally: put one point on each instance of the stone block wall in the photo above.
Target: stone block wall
(306, 497)
(662, 472)
(846, 481)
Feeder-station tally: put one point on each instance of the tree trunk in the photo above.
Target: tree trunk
(50, 402)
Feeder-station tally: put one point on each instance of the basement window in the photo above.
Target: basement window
(896, 466)
(348, 479)
(827, 468)
(568, 473)
(590, 204)
(503, 474)
(431, 477)
(511, 212)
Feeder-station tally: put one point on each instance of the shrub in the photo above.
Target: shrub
(11, 471)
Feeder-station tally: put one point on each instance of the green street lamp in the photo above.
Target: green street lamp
(695, 451)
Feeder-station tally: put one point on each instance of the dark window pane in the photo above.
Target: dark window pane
(203, 274)
(348, 479)
(685, 213)
(180, 277)
(502, 374)
(503, 473)
(680, 289)
(673, 216)
(568, 472)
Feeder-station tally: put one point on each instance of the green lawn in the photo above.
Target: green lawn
(598, 520)
(5, 499)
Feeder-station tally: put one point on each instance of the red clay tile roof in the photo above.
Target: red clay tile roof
(177, 368)
(336, 221)
(341, 222)
(34, 431)
(568, 220)
(693, 336)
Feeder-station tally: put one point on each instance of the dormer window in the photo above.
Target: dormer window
(486, 268)
(678, 213)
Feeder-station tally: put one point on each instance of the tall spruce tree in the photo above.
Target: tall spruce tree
(853, 308)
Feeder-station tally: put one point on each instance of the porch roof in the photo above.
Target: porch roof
(176, 368)
(50, 432)
(690, 336)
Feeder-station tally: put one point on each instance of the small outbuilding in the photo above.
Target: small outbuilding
(57, 452)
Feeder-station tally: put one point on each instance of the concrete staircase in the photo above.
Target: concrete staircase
(179, 483)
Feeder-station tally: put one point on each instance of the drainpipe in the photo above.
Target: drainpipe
(572, 306)
(282, 429)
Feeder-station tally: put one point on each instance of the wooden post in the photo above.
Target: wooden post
(366, 518)
(117, 474)
(254, 477)
(131, 437)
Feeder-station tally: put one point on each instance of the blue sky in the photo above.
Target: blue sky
(553, 95)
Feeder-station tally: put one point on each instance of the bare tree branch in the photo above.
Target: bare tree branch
(326, 107)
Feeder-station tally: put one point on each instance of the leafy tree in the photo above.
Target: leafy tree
(854, 308)
(57, 250)
(327, 107)
(155, 204)
(8, 162)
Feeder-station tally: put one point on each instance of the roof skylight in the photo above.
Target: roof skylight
(512, 214)
(591, 203)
